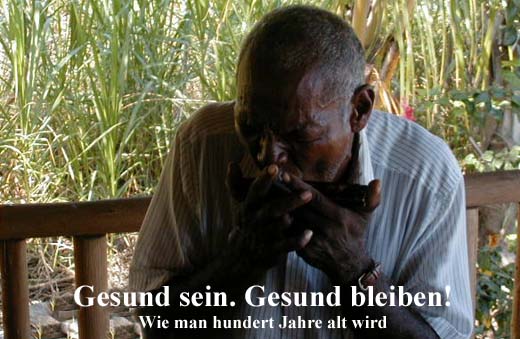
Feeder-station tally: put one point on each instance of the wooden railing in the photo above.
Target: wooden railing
(89, 222)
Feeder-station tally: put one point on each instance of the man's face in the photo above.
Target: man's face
(283, 120)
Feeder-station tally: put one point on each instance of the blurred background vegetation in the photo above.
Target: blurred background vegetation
(91, 93)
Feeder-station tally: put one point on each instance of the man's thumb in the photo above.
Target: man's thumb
(373, 195)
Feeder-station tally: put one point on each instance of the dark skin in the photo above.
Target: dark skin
(309, 139)
(289, 130)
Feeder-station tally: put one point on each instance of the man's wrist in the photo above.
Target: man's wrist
(370, 277)
(350, 277)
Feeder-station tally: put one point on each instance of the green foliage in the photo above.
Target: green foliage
(462, 114)
(494, 289)
(493, 161)
(93, 91)
(495, 267)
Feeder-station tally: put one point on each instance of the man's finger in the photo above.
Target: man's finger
(278, 207)
(319, 201)
(309, 219)
(373, 196)
(261, 185)
(294, 243)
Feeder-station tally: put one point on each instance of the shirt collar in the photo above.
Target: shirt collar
(366, 171)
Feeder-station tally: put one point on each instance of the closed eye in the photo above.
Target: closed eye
(306, 136)
(306, 140)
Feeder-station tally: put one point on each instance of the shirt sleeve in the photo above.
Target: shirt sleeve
(439, 259)
(170, 228)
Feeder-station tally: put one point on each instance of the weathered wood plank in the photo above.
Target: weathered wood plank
(15, 289)
(90, 257)
(126, 215)
(492, 188)
(472, 236)
(72, 219)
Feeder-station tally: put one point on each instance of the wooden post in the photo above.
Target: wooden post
(90, 257)
(472, 238)
(15, 289)
(515, 319)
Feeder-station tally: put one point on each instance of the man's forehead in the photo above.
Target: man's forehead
(308, 87)
(285, 117)
(266, 112)
(295, 99)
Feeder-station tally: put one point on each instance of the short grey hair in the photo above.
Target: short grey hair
(296, 38)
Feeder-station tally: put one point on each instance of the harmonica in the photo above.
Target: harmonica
(351, 196)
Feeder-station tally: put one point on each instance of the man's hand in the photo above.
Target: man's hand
(264, 231)
(337, 245)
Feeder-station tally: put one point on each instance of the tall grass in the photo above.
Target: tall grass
(97, 89)
(92, 91)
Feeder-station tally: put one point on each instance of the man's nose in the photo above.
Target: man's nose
(272, 151)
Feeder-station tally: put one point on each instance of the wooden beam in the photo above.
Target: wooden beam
(472, 237)
(15, 289)
(126, 215)
(492, 188)
(90, 258)
(515, 319)
(72, 219)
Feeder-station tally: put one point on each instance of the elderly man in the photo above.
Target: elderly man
(304, 114)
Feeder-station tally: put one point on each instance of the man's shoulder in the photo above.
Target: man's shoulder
(401, 146)
(214, 119)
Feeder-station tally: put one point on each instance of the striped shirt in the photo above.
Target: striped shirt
(418, 232)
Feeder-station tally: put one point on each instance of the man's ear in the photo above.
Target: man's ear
(362, 104)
